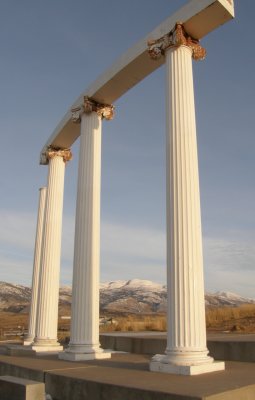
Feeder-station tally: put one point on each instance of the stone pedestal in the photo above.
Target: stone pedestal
(84, 341)
(47, 310)
(186, 351)
(36, 268)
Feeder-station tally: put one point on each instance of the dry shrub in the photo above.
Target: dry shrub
(63, 337)
(232, 318)
(137, 323)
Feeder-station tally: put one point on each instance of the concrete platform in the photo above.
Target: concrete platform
(222, 346)
(127, 377)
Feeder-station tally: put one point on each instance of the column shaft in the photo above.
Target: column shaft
(186, 312)
(47, 311)
(36, 267)
(84, 341)
(85, 310)
(186, 337)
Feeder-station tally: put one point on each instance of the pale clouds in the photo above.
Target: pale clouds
(135, 252)
(230, 254)
(15, 270)
(132, 252)
(17, 230)
(128, 252)
(230, 263)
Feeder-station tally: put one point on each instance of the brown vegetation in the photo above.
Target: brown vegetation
(232, 319)
(136, 323)
(12, 324)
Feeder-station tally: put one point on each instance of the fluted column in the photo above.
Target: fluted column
(186, 351)
(84, 341)
(47, 309)
(36, 267)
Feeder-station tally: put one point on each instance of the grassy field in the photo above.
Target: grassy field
(234, 319)
(230, 319)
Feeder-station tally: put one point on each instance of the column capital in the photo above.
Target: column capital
(90, 105)
(175, 38)
(103, 110)
(52, 152)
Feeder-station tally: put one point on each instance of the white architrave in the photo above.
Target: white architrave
(199, 18)
(186, 351)
(36, 268)
(47, 310)
(84, 341)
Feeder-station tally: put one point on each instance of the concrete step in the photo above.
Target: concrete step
(14, 388)
(127, 377)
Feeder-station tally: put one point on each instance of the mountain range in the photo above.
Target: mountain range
(132, 296)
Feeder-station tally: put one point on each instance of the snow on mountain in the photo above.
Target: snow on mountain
(112, 285)
(138, 284)
(135, 295)
(9, 289)
(132, 296)
(232, 296)
(14, 297)
(221, 299)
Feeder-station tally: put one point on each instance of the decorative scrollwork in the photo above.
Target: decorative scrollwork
(76, 115)
(103, 110)
(175, 38)
(52, 152)
(89, 105)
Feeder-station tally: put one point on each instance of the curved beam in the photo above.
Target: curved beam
(198, 17)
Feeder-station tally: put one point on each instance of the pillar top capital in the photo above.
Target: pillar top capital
(90, 105)
(52, 152)
(175, 38)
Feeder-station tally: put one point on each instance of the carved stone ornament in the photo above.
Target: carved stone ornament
(57, 152)
(175, 38)
(76, 115)
(103, 110)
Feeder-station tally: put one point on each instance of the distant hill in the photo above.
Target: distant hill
(133, 296)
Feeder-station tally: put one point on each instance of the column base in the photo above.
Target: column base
(84, 356)
(46, 345)
(42, 349)
(27, 342)
(21, 350)
(159, 363)
(79, 352)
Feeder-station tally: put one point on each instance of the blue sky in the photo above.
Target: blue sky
(50, 52)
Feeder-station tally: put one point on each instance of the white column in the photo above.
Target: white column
(186, 351)
(36, 268)
(47, 310)
(84, 341)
